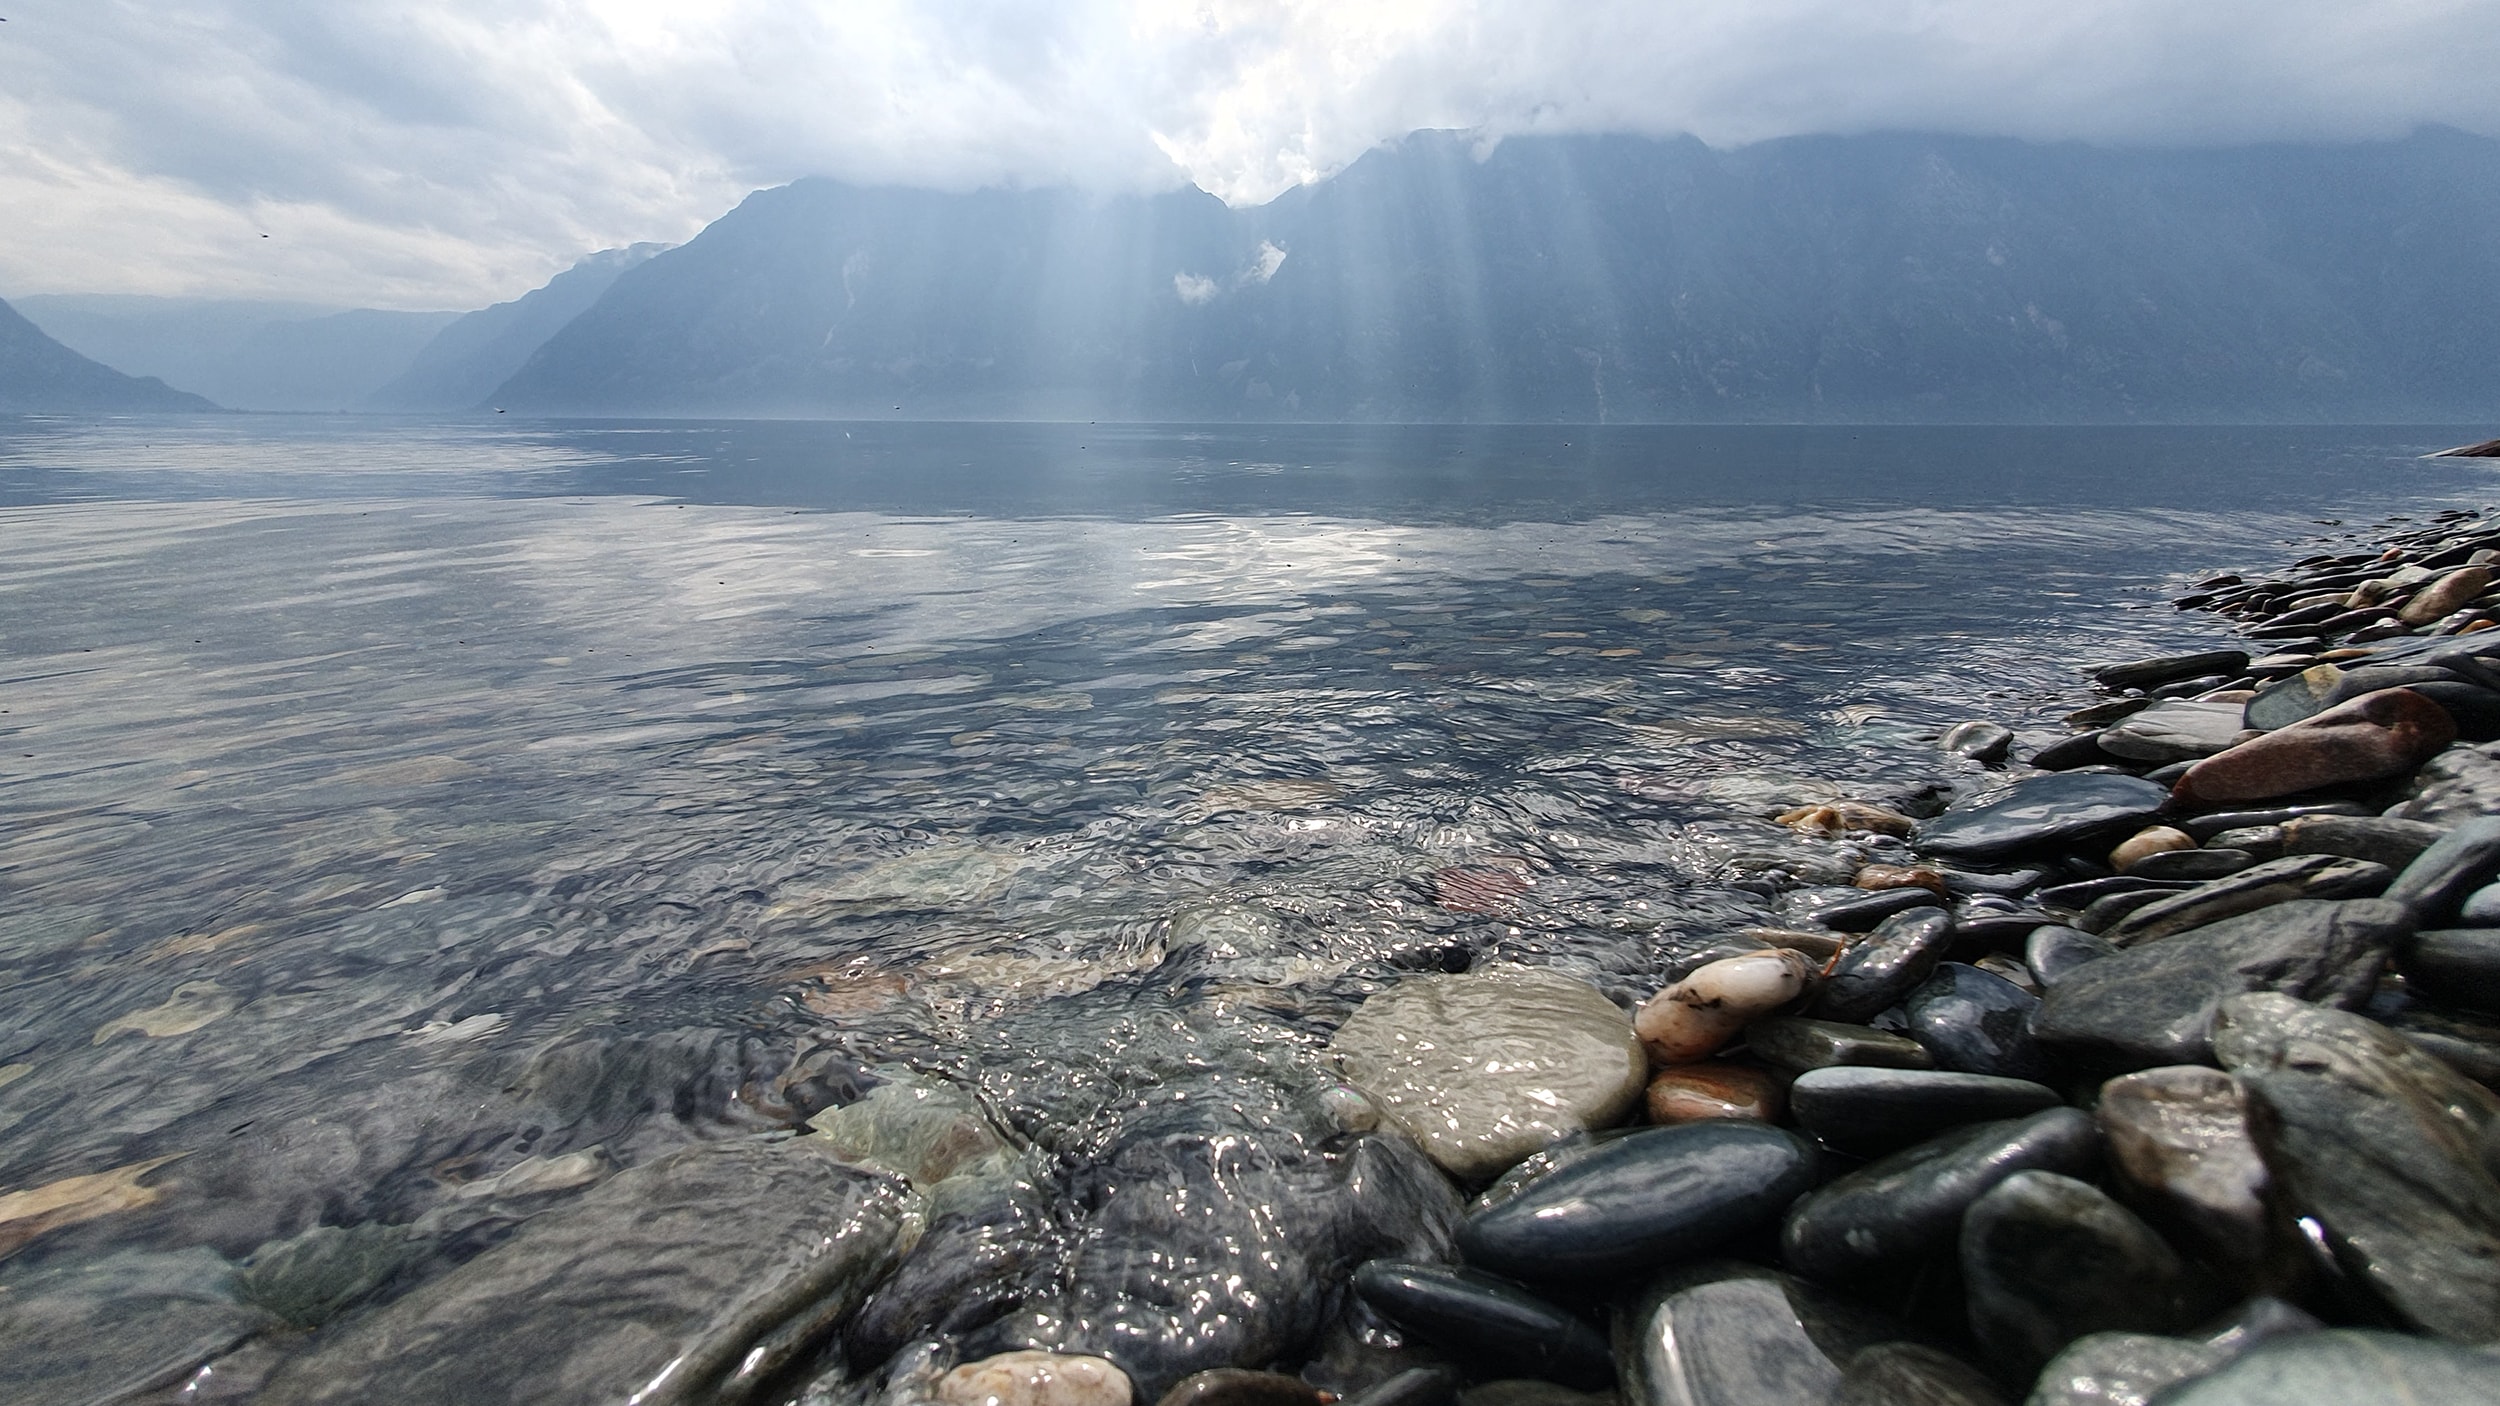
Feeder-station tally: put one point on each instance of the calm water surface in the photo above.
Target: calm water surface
(385, 803)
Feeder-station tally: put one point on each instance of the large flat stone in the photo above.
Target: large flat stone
(2042, 811)
(1485, 1068)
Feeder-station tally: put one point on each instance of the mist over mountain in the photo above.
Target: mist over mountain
(1890, 277)
(40, 376)
(244, 354)
(468, 359)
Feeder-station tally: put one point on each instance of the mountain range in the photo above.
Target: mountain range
(40, 376)
(1896, 277)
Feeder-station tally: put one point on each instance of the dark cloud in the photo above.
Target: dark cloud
(449, 152)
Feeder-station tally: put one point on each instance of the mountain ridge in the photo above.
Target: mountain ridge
(40, 376)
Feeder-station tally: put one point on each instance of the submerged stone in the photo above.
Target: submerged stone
(1487, 1321)
(1485, 1068)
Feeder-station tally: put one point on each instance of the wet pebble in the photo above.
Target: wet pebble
(2374, 736)
(2379, 839)
(1893, 959)
(1797, 1044)
(2454, 966)
(1880, 877)
(1869, 912)
(2213, 862)
(1487, 1322)
(1973, 1022)
(1642, 1202)
(2178, 1136)
(1869, 1112)
(1238, 1386)
(2295, 876)
(2344, 1367)
(2122, 1369)
(2436, 882)
(2043, 810)
(1698, 1092)
(2053, 952)
(2048, 1258)
(1888, 1217)
(1035, 1379)
(1736, 1335)
(2147, 842)
(1910, 1374)
(1984, 742)
(1693, 1018)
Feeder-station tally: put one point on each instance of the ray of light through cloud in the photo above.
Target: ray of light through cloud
(448, 154)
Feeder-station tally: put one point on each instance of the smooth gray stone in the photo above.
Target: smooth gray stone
(1889, 1216)
(2294, 876)
(105, 1329)
(2463, 860)
(2083, 893)
(2155, 1004)
(2481, 907)
(2259, 842)
(2383, 1146)
(694, 1278)
(1868, 1112)
(2047, 1259)
(1737, 1335)
(2459, 784)
(1642, 1202)
(2174, 730)
(1908, 1374)
(2454, 966)
(1976, 1022)
(2169, 668)
(2071, 753)
(2121, 1369)
(2314, 690)
(1487, 1322)
(2212, 862)
(2203, 828)
(2464, 1043)
(2109, 910)
(2347, 1367)
(2042, 810)
(1871, 910)
(1982, 742)
(2105, 712)
(1874, 974)
(2054, 952)
(2179, 1141)
(2377, 838)
(1794, 1044)
(2261, 1319)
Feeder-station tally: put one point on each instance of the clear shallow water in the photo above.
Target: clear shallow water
(382, 803)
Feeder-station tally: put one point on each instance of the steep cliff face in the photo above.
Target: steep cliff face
(467, 360)
(1596, 278)
(39, 376)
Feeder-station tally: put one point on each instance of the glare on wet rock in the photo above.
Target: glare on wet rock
(2346, 1366)
(1886, 965)
(1491, 1323)
(1981, 741)
(2040, 811)
(2294, 876)
(1867, 1112)
(1718, 1334)
(1035, 1379)
(1894, 1214)
(1696, 1016)
(1797, 1044)
(1695, 1092)
(2178, 1137)
(1485, 1068)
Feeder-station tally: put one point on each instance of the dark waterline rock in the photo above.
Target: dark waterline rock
(1886, 1217)
(2054, 952)
(1874, 974)
(1797, 1044)
(1975, 1022)
(1867, 913)
(2156, 1004)
(1487, 1321)
(1237, 1386)
(2302, 876)
(1868, 1112)
(1642, 1202)
(2169, 668)
(2040, 811)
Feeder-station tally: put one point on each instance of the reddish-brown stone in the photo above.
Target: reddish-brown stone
(1694, 1092)
(2376, 735)
(1900, 876)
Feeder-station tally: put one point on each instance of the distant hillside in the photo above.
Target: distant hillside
(248, 355)
(39, 376)
(1587, 278)
(467, 360)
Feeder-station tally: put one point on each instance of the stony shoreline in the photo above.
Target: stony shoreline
(2155, 1068)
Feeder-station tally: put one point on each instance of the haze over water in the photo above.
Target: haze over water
(1084, 764)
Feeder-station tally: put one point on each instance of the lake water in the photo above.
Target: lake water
(383, 804)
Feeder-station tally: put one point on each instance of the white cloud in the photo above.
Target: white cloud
(461, 150)
(1263, 265)
(1195, 290)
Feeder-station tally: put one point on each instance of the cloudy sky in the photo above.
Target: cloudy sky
(454, 152)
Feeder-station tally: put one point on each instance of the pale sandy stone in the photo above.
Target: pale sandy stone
(1035, 1379)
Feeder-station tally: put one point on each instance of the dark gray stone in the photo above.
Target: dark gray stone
(1642, 1202)
(2195, 865)
(2081, 750)
(2481, 908)
(2459, 784)
(633, 1290)
(1876, 973)
(2463, 860)
(2169, 668)
(2204, 827)
(2109, 910)
(1239, 1386)
(2346, 1367)
(2043, 810)
(2475, 708)
(1736, 1335)
(2259, 842)
(1888, 1217)
(2121, 1369)
(2316, 689)
(2275, 881)
(1974, 1022)
(2454, 966)
(1868, 911)
(1797, 1044)
(1869, 1112)
(2178, 1139)
(2053, 953)
(1487, 1322)
(2174, 730)
(2377, 838)
(1908, 1374)
(2383, 1146)
(2083, 893)
(2047, 1259)
(1983, 742)
(2155, 1004)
